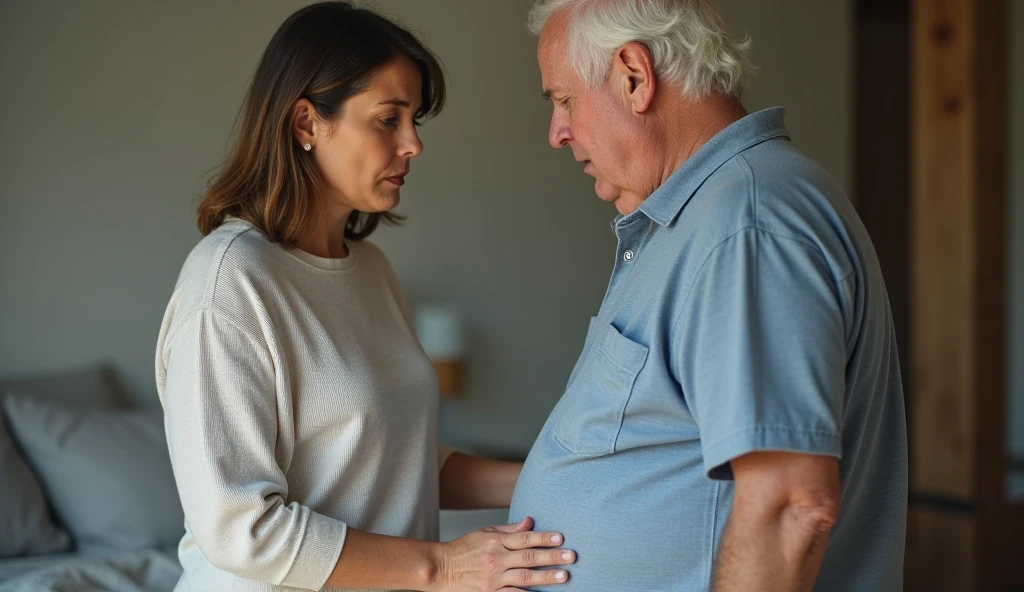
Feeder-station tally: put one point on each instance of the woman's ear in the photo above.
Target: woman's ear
(304, 121)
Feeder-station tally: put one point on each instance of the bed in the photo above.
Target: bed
(149, 570)
(154, 570)
(87, 496)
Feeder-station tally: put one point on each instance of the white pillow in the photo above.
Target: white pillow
(106, 472)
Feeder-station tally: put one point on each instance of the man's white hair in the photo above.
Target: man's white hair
(688, 41)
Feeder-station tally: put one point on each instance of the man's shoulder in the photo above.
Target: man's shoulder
(774, 190)
(770, 185)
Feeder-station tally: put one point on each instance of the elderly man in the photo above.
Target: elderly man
(736, 419)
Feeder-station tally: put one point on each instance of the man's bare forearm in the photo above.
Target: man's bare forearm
(780, 550)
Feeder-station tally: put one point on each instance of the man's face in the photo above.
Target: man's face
(592, 122)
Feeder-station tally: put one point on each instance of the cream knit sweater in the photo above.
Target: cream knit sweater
(297, 402)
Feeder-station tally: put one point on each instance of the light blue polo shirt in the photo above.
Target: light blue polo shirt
(746, 311)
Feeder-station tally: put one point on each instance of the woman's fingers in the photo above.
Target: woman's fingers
(515, 541)
(512, 556)
(533, 577)
(527, 563)
(541, 558)
(528, 554)
(521, 526)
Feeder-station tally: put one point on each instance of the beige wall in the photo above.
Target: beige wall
(112, 111)
(804, 53)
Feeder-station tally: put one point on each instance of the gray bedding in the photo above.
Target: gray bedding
(134, 571)
(155, 570)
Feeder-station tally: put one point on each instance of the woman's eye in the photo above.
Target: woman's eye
(389, 121)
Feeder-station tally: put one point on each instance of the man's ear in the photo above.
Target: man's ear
(633, 66)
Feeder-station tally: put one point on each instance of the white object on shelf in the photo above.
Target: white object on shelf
(441, 332)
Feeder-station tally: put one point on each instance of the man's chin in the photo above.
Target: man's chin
(606, 192)
(625, 203)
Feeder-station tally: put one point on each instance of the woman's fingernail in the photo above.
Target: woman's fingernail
(567, 556)
(560, 576)
(556, 538)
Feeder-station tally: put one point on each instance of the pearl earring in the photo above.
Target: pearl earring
(308, 146)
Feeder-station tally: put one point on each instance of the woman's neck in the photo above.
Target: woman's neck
(327, 238)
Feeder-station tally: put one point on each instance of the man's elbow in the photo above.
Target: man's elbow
(810, 517)
(800, 491)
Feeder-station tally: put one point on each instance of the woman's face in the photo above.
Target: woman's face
(364, 154)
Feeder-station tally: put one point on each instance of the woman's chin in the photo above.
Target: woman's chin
(383, 202)
(391, 202)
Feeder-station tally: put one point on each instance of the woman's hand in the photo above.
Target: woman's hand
(501, 558)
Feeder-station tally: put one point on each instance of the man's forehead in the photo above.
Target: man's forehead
(552, 50)
(553, 40)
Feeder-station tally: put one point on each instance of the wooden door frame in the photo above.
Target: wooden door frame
(944, 249)
(962, 534)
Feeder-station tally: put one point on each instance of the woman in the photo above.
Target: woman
(300, 409)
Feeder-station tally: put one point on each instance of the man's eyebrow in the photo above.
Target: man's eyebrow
(547, 95)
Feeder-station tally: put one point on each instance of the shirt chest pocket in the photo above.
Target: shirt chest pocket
(592, 408)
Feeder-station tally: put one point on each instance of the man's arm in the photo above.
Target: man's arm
(783, 510)
(470, 482)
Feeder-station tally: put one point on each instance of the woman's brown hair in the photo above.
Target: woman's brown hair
(325, 53)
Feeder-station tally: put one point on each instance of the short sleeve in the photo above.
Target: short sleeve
(761, 350)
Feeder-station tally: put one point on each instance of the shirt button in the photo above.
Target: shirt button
(628, 255)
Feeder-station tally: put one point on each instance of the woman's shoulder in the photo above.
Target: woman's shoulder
(233, 255)
(365, 249)
(372, 260)
(217, 278)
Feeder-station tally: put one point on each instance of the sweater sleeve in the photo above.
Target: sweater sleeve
(222, 411)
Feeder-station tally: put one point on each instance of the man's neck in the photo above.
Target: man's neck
(698, 122)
